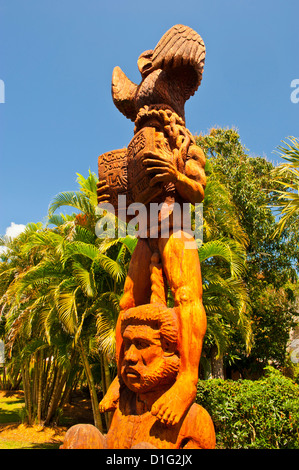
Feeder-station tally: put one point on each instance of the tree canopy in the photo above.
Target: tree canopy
(272, 261)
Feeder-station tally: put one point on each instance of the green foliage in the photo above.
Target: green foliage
(261, 414)
(271, 262)
(287, 176)
(223, 264)
(54, 300)
(254, 192)
(274, 316)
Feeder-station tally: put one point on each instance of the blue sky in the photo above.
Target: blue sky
(57, 58)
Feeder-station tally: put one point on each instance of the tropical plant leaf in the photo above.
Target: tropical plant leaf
(80, 248)
(89, 186)
(114, 269)
(229, 251)
(85, 278)
(67, 310)
(73, 199)
(287, 175)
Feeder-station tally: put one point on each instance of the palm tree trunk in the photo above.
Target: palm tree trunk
(92, 389)
(52, 382)
(27, 390)
(217, 364)
(34, 381)
(52, 401)
(107, 372)
(40, 387)
(106, 382)
(47, 380)
(69, 380)
(56, 395)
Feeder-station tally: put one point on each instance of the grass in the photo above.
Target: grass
(11, 444)
(10, 409)
(13, 434)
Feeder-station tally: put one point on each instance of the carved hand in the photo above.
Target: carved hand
(163, 169)
(102, 192)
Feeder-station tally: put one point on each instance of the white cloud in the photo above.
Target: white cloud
(11, 232)
(14, 230)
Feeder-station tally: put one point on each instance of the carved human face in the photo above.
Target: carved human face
(146, 365)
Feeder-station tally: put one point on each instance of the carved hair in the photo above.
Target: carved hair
(158, 317)
(162, 112)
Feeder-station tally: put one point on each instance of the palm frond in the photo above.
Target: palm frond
(89, 186)
(37, 275)
(84, 235)
(87, 250)
(73, 199)
(105, 244)
(220, 213)
(113, 268)
(290, 151)
(67, 310)
(130, 242)
(218, 332)
(107, 314)
(85, 279)
(287, 175)
(60, 219)
(229, 251)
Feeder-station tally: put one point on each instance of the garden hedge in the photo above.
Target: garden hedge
(260, 414)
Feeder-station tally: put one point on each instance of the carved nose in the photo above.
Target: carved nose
(131, 354)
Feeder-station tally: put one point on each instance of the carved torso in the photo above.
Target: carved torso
(140, 425)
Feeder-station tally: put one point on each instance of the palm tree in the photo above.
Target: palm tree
(68, 277)
(287, 175)
(99, 266)
(58, 291)
(83, 201)
(23, 311)
(225, 298)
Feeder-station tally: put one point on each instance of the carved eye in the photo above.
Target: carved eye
(127, 344)
(140, 344)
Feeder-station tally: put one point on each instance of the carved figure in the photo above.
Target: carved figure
(149, 366)
(163, 164)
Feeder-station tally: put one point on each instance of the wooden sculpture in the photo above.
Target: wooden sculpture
(162, 164)
(149, 368)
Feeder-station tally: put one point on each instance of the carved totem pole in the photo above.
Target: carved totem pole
(158, 348)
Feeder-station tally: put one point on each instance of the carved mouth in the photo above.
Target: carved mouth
(131, 373)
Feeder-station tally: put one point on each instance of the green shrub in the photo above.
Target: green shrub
(261, 414)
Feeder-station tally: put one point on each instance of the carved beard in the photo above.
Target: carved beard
(164, 374)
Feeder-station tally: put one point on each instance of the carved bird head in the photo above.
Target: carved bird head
(144, 63)
(180, 52)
